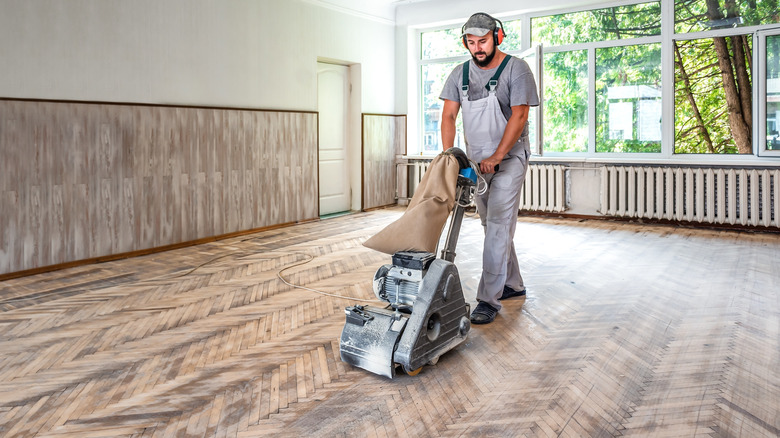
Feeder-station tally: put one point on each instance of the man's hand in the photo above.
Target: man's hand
(514, 127)
(488, 165)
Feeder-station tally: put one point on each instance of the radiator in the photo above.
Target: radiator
(413, 175)
(748, 197)
(544, 188)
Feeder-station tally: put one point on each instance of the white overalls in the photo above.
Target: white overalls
(483, 126)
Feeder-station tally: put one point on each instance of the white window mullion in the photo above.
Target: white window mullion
(667, 78)
(759, 97)
(525, 30)
(592, 100)
(418, 102)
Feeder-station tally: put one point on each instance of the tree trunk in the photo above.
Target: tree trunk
(743, 78)
(689, 95)
(615, 20)
(740, 129)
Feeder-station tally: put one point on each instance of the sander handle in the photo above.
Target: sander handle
(495, 168)
(462, 199)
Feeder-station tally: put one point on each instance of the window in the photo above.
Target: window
(512, 37)
(566, 101)
(713, 74)
(433, 77)
(701, 15)
(440, 52)
(770, 93)
(605, 93)
(713, 95)
(628, 93)
(621, 47)
(615, 23)
(445, 43)
(533, 57)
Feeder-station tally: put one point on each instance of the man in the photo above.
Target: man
(495, 91)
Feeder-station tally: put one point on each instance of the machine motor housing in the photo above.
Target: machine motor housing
(427, 316)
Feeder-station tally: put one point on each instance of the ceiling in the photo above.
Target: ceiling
(377, 8)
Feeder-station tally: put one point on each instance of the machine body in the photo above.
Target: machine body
(427, 314)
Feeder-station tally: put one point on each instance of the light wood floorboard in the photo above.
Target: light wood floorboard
(627, 330)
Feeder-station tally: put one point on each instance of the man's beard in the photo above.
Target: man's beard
(488, 58)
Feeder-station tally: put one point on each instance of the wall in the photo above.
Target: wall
(241, 53)
(191, 56)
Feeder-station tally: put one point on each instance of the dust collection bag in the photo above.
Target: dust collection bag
(421, 224)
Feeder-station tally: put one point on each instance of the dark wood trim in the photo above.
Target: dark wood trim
(317, 128)
(143, 252)
(157, 105)
(362, 162)
(381, 207)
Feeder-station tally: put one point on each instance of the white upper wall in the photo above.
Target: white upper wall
(238, 53)
(421, 13)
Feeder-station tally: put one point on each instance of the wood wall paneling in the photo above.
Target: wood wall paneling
(384, 139)
(88, 180)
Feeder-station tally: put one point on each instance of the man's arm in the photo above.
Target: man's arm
(448, 116)
(514, 128)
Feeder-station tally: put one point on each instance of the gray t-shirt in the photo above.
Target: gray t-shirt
(516, 85)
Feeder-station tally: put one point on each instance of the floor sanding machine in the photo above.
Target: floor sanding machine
(426, 315)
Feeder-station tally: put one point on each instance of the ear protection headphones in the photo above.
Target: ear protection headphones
(498, 32)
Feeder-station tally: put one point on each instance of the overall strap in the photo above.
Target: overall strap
(493, 82)
(465, 85)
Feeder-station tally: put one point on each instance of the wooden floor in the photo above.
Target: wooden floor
(628, 330)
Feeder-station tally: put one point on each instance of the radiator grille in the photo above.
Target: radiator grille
(707, 195)
(544, 188)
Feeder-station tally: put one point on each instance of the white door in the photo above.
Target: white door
(333, 104)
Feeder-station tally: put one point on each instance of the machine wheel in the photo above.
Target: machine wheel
(413, 372)
(434, 361)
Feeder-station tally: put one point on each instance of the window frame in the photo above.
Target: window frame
(595, 100)
(420, 62)
(755, 79)
(760, 128)
(418, 79)
(537, 148)
(591, 48)
(666, 38)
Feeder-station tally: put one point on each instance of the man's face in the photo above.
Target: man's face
(481, 48)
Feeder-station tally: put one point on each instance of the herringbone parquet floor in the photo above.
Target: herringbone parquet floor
(628, 330)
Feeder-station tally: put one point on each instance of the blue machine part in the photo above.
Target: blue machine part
(469, 173)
